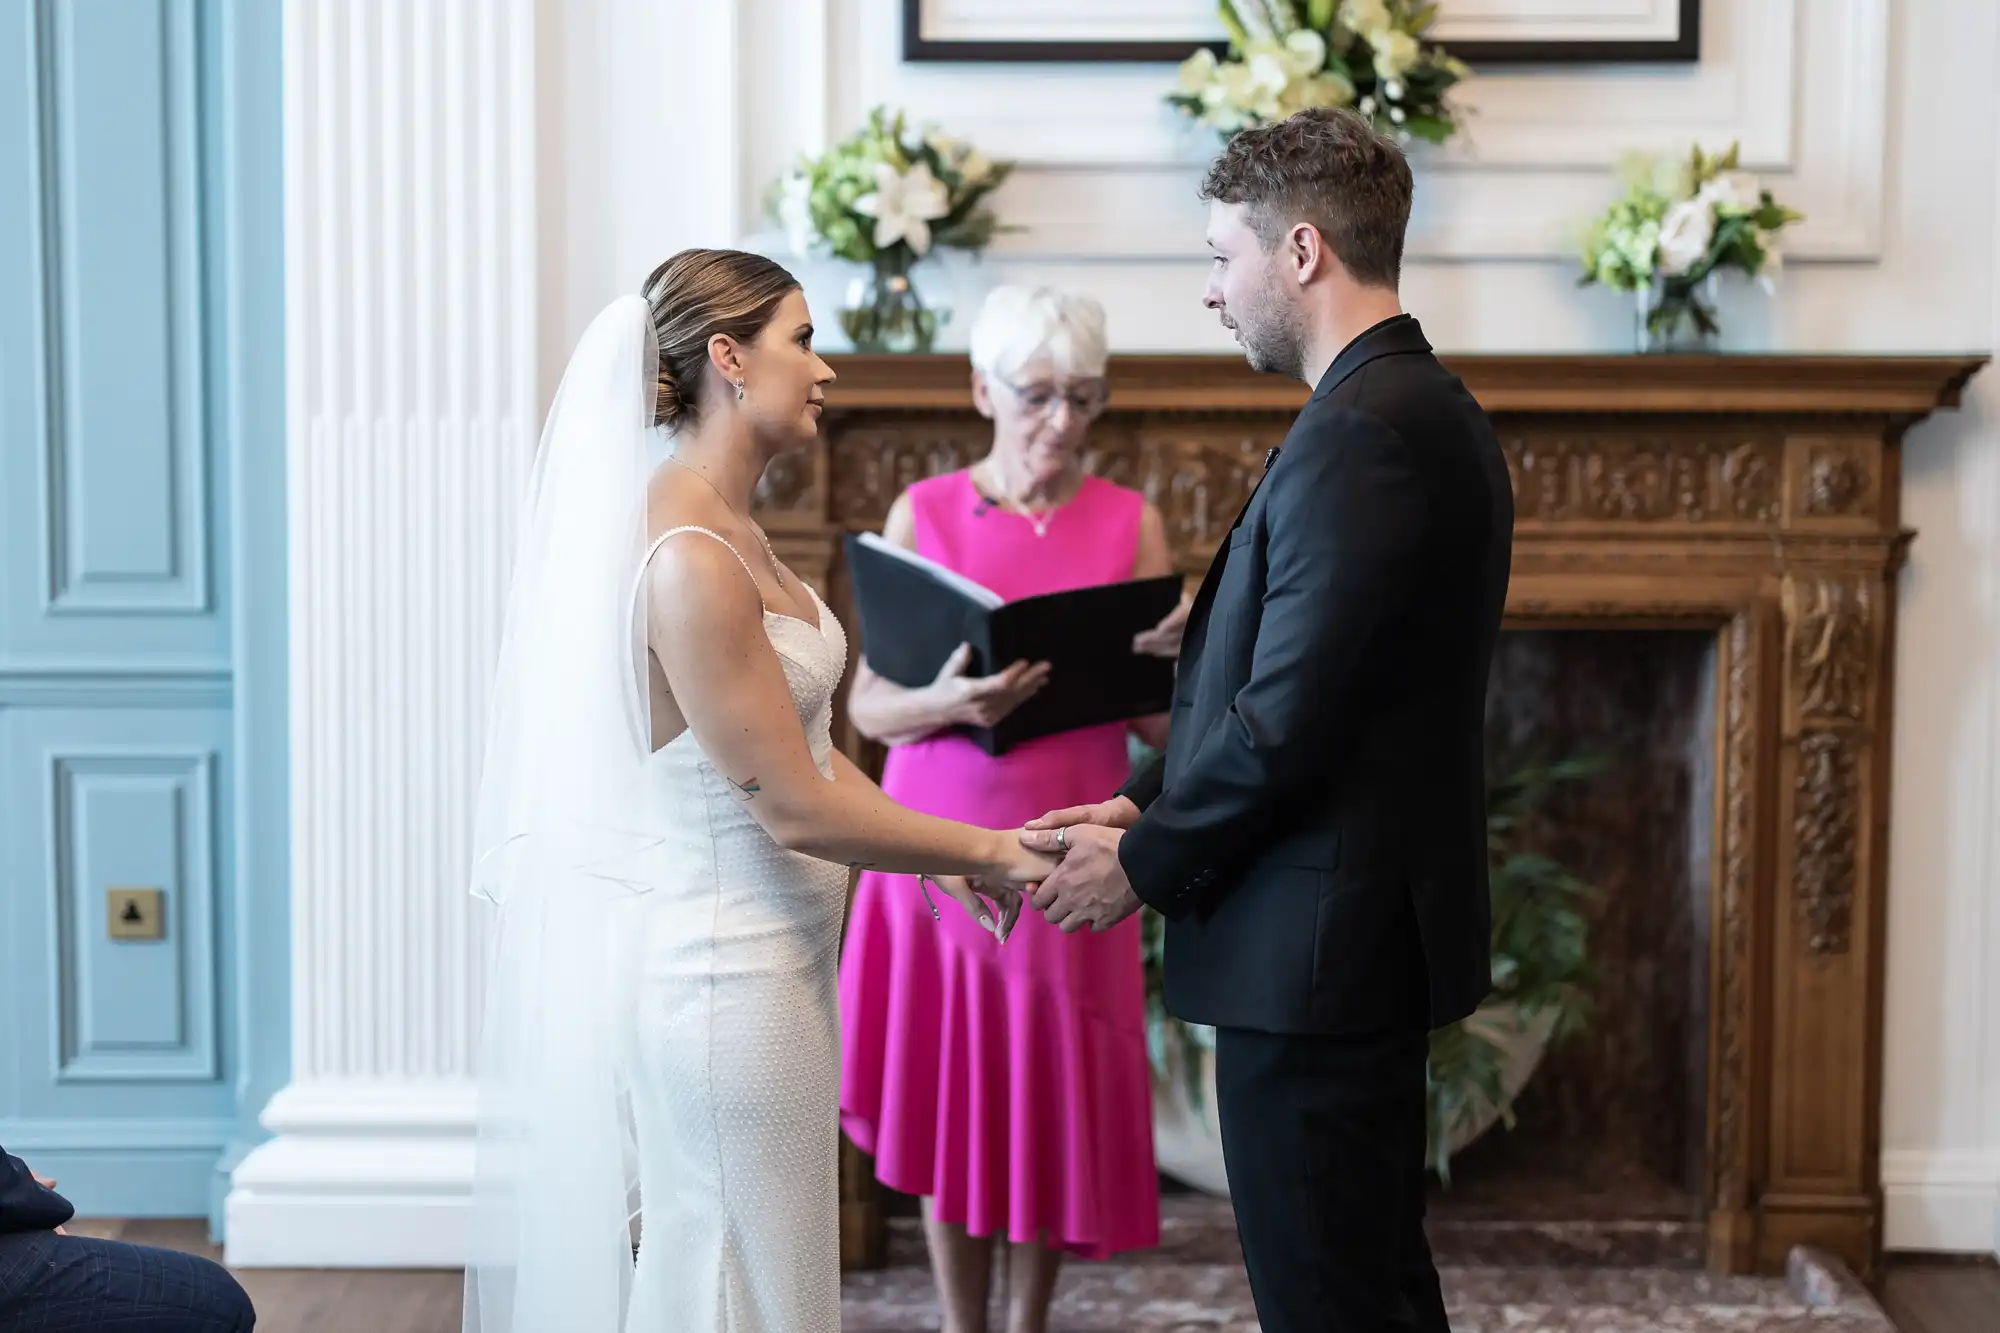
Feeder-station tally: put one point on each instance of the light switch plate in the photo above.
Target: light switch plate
(135, 914)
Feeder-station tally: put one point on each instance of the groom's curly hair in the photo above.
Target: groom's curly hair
(1328, 167)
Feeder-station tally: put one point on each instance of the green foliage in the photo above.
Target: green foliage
(1540, 952)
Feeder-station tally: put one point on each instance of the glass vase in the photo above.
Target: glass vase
(885, 313)
(1675, 315)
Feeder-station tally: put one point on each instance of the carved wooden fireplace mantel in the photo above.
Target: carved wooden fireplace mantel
(1753, 496)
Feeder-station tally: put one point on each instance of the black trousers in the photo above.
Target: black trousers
(1324, 1141)
(68, 1284)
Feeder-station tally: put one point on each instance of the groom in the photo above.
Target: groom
(1315, 833)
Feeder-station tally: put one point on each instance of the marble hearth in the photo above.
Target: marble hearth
(1704, 577)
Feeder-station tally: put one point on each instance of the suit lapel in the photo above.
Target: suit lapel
(1399, 334)
(1395, 336)
(1196, 633)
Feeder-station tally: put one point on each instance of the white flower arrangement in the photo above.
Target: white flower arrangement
(883, 197)
(1371, 55)
(1681, 220)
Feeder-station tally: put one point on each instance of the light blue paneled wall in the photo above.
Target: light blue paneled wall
(142, 641)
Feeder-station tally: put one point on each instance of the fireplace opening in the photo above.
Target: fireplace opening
(1612, 1124)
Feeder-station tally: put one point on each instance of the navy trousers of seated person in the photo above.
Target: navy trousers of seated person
(67, 1284)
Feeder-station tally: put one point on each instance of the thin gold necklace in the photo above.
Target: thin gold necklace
(777, 571)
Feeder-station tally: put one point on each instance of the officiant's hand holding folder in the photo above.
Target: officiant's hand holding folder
(915, 613)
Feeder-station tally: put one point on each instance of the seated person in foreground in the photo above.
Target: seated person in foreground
(53, 1282)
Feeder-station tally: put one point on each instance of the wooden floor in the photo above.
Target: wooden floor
(1923, 1295)
(315, 1301)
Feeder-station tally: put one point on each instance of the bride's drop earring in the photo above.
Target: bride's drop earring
(739, 391)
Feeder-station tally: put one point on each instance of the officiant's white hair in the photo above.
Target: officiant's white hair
(1020, 327)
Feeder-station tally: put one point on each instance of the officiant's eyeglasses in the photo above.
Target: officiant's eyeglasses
(1086, 398)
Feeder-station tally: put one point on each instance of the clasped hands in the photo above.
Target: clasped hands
(1067, 868)
(1067, 861)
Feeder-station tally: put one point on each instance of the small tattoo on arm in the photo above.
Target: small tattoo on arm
(745, 791)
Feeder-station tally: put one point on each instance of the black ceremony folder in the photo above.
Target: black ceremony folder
(915, 613)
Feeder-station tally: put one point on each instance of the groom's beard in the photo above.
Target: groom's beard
(1273, 333)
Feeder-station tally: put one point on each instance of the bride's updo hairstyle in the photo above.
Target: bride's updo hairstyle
(695, 296)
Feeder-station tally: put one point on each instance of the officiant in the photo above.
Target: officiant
(1032, 1052)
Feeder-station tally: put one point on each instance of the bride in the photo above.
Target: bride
(666, 829)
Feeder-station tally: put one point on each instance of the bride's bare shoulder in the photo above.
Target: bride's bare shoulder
(674, 501)
(697, 572)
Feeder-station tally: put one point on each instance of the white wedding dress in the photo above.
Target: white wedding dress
(660, 1040)
(734, 1063)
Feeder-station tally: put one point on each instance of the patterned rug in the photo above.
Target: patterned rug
(1194, 1283)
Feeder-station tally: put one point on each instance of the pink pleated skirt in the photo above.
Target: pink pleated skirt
(1008, 1083)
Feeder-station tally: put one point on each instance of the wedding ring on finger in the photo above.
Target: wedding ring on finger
(1062, 838)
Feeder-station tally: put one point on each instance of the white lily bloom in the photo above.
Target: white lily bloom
(904, 204)
(1236, 86)
(1685, 233)
(1268, 75)
(1307, 51)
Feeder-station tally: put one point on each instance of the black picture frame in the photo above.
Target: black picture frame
(1683, 48)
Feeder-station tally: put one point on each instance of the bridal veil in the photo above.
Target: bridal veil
(559, 852)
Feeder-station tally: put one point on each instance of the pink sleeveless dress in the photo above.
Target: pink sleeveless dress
(1009, 1083)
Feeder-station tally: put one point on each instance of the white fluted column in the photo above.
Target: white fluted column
(411, 291)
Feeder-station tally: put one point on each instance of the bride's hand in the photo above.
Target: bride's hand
(972, 895)
(1026, 868)
(1009, 862)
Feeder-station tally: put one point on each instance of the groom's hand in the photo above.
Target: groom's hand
(1089, 888)
(1118, 813)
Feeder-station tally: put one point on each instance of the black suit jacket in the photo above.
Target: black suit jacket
(1315, 832)
(24, 1205)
